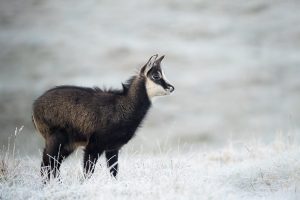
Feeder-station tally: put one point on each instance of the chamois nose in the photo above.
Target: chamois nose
(171, 88)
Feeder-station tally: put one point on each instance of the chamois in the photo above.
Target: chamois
(99, 120)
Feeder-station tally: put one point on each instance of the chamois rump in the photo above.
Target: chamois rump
(101, 121)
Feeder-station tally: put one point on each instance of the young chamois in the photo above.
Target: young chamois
(101, 121)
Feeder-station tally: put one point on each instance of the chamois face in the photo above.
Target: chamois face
(156, 81)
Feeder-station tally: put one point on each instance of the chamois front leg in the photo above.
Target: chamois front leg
(112, 161)
(91, 155)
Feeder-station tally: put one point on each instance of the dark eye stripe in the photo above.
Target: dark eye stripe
(164, 84)
(156, 76)
(161, 82)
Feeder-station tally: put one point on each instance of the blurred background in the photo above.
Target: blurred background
(235, 64)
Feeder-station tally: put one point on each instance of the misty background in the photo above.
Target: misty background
(235, 65)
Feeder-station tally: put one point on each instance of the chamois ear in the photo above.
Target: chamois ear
(145, 69)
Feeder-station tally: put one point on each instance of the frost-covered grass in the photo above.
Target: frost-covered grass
(239, 170)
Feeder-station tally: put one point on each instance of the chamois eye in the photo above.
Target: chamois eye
(156, 76)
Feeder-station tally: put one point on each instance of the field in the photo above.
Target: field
(238, 171)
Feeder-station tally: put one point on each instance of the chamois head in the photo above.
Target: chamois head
(156, 82)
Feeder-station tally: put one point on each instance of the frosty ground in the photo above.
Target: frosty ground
(250, 170)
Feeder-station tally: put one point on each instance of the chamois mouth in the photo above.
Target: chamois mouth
(169, 89)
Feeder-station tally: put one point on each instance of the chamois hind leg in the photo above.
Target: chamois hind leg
(55, 151)
(91, 155)
(112, 161)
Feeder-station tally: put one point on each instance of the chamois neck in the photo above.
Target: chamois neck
(135, 95)
(137, 92)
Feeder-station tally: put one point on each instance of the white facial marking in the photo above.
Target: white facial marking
(154, 89)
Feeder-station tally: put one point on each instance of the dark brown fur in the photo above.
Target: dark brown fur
(102, 121)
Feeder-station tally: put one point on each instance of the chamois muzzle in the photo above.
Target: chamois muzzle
(170, 88)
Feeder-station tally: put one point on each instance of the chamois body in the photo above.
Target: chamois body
(99, 120)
